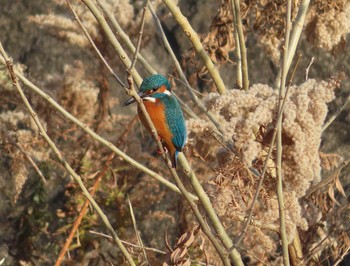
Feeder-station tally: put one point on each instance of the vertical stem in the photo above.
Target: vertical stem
(193, 37)
(243, 49)
(238, 49)
(295, 36)
(281, 207)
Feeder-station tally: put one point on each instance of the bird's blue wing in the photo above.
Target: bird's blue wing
(176, 122)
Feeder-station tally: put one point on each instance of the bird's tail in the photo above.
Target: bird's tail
(174, 159)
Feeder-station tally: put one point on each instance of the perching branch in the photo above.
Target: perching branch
(193, 96)
(204, 199)
(173, 172)
(178, 181)
(94, 135)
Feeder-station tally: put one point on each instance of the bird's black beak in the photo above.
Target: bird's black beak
(132, 99)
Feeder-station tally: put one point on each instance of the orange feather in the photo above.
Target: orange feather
(156, 113)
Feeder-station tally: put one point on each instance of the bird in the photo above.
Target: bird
(165, 113)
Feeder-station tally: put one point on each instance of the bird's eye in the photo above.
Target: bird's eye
(155, 89)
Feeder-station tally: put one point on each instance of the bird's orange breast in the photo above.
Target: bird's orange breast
(157, 115)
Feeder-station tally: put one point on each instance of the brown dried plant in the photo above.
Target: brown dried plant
(248, 118)
(178, 256)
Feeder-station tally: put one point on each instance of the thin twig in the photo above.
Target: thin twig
(197, 45)
(327, 179)
(308, 68)
(186, 108)
(128, 243)
(61, 158)
(145, 248)
(335, 115)
(83, 210)
(138, 45)
(186, 84)
(138, 236)
(78, 220)
(28, 156)
(242, 47)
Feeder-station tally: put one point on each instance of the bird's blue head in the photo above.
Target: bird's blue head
(153, 82)
(153, 87)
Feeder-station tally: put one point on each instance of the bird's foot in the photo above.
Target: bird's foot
(160, 152)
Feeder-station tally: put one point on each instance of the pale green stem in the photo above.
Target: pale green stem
(138, 236)
(193, 37)
(294, 38)
(125, 38)
(280, 197)
(61, 158)
(112, 39)
(186, 108)
(243, 49)
(237, 50)
(335, 115)
(204, 199)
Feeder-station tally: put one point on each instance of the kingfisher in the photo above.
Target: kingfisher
(165, 113)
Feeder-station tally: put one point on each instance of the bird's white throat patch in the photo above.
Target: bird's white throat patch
(167, 93)
(150, 99)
